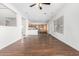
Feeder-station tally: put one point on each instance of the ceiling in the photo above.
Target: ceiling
(34, 14)
(6, 12)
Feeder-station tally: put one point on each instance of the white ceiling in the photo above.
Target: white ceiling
(34, 14)
(6, 12)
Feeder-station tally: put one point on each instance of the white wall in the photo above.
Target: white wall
(27, 22)
(9, 35)
(71, 25)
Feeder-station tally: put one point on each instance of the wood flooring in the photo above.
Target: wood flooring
(39, 45)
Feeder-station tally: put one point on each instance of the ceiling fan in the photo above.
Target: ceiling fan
(39, 5)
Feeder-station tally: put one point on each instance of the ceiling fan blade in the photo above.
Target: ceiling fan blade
(40, 7)
(32, 5)
(46, 3)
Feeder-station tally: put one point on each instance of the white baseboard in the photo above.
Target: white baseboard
(73, 46)
(9, 44)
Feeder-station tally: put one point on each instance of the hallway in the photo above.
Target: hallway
(41, 45)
